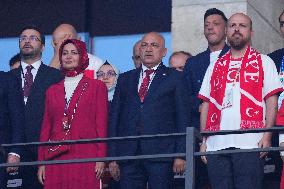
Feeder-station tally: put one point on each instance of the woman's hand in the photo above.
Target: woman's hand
(99, 169)
(41, 174)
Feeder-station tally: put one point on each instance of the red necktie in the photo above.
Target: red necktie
(28, 81)
(145, 84)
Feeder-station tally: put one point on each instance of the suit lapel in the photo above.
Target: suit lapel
(135, 83)
(160, 75)
(60, 94)
(19, 75)
(224, 50)
(207, 58)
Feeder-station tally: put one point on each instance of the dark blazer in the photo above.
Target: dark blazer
(194, 72)
(277, 57)
(34, 109)
(164, 110)
(11, 111)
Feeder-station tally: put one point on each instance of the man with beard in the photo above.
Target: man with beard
(239, 91)
(195, 68)
(34, 78)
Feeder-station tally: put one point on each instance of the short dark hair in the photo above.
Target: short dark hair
(33, 27)
(212, 11)
(281, 15)
(14, 59)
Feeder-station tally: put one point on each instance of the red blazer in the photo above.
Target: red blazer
(90, 120)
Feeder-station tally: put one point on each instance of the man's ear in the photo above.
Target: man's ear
(165, 52)
(42, 47)
(52, 43)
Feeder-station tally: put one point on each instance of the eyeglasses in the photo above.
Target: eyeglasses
(154, 45)
(101, 74)
(28, 38)
(281, 24)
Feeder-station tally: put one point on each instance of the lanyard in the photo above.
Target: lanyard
(282, 65)
(66, 120)
(281, 73)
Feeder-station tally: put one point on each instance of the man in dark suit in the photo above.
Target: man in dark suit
(149, 100)
(35, 78)
(11, 121)
(195, 68)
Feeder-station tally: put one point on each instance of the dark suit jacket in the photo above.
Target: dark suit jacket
(194, 72)
(164, 110)
(277, 57)
(34, 109)
(11, 111)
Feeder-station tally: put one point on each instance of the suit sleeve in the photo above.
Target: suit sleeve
(101, 110)
(16, 113)
(114, 118)
(46, 126)
(182, 115)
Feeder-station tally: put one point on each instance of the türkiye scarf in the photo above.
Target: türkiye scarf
(251, 82)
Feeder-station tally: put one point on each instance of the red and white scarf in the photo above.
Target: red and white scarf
(251, 83)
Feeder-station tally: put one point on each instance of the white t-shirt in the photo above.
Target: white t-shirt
(214, 56)
(70, 84)
(230, 117)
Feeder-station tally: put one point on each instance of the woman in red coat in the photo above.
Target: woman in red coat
(75, 108)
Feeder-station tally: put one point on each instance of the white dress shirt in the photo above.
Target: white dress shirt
(34, 71)
(143, 75)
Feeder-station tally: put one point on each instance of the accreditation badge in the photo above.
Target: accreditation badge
(228, 99)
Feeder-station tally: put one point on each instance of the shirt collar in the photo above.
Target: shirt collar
(35, 65)
(154, 68)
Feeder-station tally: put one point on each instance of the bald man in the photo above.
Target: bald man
(67, 31)
(136, 56)
(246, 97)
(147, 101)
(178, 60)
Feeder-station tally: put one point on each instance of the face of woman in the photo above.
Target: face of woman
(107, 74)
(70, 57)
